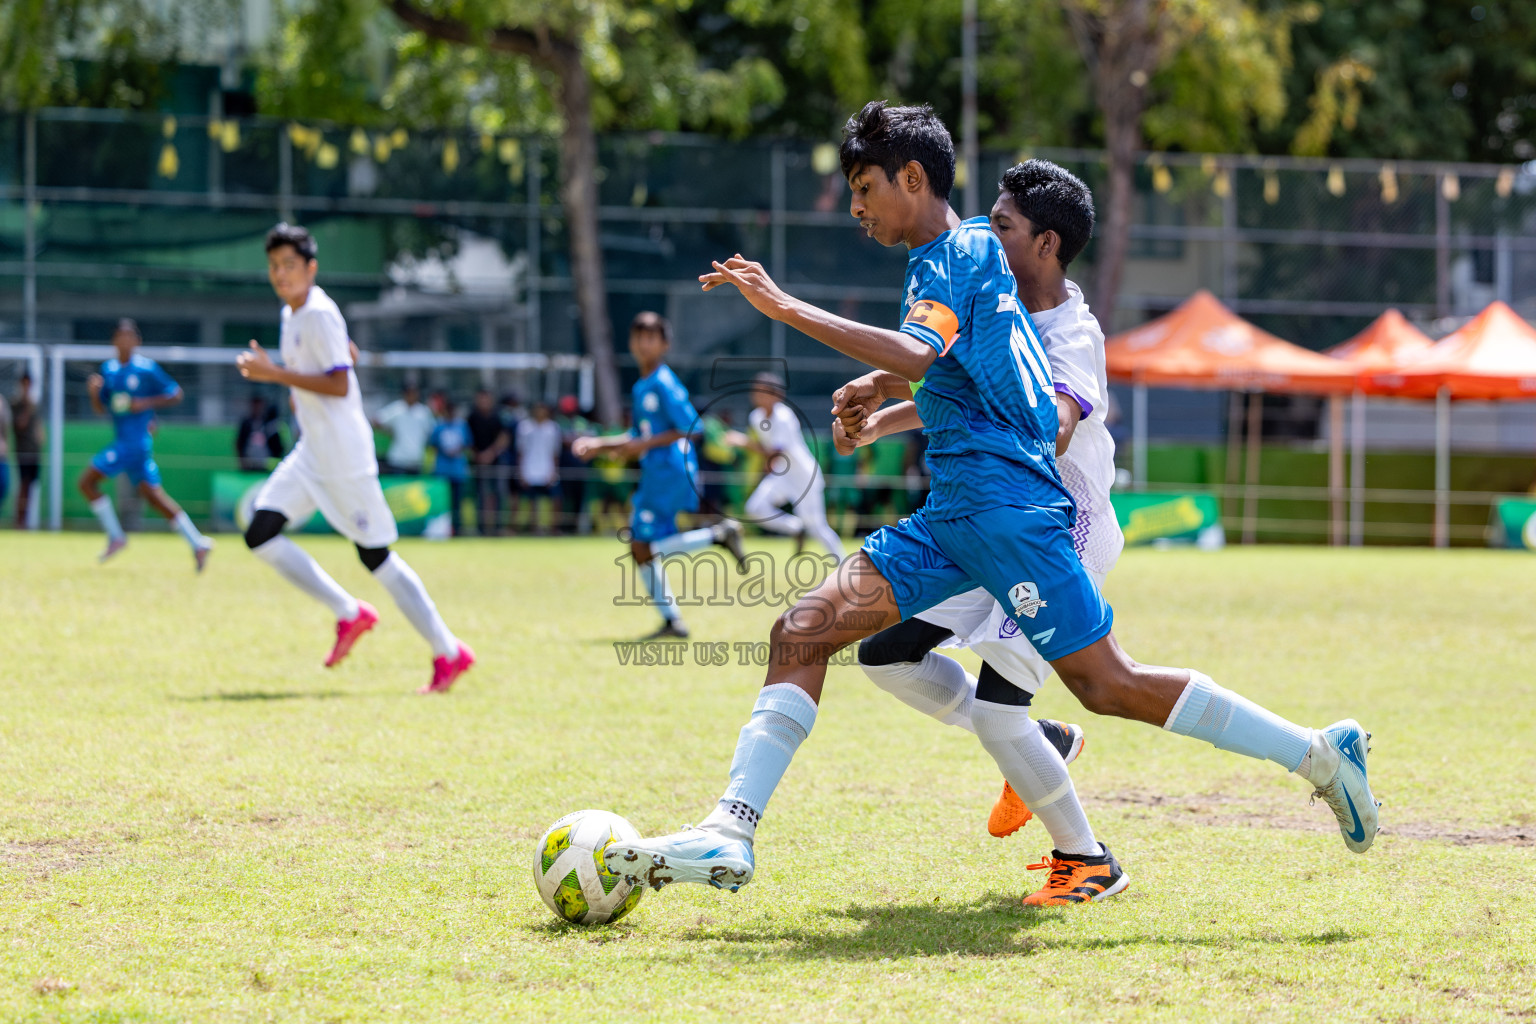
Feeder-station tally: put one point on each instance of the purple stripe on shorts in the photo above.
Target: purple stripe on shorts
(1062, 389)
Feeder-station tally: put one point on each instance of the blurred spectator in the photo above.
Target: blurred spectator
(28, 427)
(409, 423)
(716, 457)
(258, 438)
(450, 439)
(488, 441)
(5, 450)
(573, 472)
(439, 402)
(538, 450)
(610, 491)
(510, 408)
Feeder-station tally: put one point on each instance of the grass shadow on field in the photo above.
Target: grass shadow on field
(985, 928)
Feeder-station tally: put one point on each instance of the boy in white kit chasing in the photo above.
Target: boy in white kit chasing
(333, 467)
(791, 475)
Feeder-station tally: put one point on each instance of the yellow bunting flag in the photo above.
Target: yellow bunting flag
(169, 163)
(1388, 178)
(1336, 181)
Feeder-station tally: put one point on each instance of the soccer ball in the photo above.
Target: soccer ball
(569, 872)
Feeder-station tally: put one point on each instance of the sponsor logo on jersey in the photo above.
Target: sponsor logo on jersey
(1026, 599)
(650, 402)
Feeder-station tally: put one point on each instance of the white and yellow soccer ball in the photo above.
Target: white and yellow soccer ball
(569, 872)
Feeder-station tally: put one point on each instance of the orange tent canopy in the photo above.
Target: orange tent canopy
(1492, 356)
(1202, 344)
(1389, 342)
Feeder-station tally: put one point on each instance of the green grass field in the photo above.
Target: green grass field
(199, 823)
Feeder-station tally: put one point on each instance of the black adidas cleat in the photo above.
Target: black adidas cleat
(727, 534)
(671, 629)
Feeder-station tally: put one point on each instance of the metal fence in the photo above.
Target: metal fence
(455, 242)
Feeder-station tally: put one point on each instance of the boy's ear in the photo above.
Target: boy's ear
(912, 176)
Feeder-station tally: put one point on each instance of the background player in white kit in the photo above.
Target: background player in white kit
(791, 475)
(1043, 218)
(333, 467)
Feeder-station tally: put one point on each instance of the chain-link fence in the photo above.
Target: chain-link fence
(455, 242)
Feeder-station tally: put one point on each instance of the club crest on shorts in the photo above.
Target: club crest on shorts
(1026, 599)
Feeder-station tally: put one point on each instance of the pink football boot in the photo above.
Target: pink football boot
(349, 630)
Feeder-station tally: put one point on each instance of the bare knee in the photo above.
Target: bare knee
(1106, 690)
(641, 550)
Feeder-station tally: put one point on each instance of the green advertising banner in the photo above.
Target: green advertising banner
(1512, 523)
(1191, 518)
(419, 504)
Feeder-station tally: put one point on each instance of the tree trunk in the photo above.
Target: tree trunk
(560, 55)
(1119, 41)
(578, 193)
(1122, 140)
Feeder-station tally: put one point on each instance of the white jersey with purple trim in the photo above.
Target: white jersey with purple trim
(336, 439)
(1074, 345)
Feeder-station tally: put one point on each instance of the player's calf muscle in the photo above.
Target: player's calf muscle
(1106, 681)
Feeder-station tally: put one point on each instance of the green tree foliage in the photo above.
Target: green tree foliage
(1450, 79)
(99, 53)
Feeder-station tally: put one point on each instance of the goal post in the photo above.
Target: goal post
(208, 375)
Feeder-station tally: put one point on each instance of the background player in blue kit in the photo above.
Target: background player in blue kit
(132, 387)
(664, 421)
(997, 516)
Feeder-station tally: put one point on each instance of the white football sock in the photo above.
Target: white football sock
(780, 722)
(1232, 722)
(1035, 770)
(294, 565)
(662, 599)
(107, 516)
(692, 540)
(183, 524)
(406, 588)
(937, 686)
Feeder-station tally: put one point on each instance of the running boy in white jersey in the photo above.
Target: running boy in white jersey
(791, 474)
(1044, 218)
(332, 468)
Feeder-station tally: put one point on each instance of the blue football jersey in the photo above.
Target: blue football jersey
(987, 400)
(661, 404)
(121, 383)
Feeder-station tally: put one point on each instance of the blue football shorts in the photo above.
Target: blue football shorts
(656, 505)
(1022, 555)
(138, 463)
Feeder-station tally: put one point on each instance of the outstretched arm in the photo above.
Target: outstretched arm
(892, 351)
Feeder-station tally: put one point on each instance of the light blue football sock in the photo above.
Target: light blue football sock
(183, 524)
(692, 540)
(1230, 722)
(655, 576)
(780, 722)
(107, 516)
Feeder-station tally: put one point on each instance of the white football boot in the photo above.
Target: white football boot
(698, 855)
(1338, 760)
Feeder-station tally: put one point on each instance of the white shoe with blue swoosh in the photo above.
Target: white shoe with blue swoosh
(1346, 791)
(698, 855)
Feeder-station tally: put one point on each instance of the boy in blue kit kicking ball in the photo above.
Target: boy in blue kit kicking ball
(132, 388)
(661, 438)
(997, 516)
